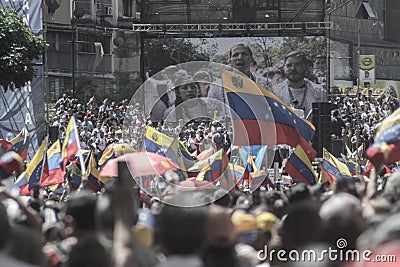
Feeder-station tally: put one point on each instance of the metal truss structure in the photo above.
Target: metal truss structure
(235, 29)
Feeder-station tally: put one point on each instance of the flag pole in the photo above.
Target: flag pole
(82, 163)
(44, 160)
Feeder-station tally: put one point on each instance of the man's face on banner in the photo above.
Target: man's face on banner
(320, 65)
(188, 91)
(295, 69)
(241, 59)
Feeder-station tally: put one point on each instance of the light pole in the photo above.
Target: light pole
(357, 97)
(76, 14)
(73, 21)
(328, 78)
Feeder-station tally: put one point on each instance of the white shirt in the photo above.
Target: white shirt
(315, 93)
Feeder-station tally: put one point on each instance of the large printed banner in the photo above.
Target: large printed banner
(161, 55)
(24, 107)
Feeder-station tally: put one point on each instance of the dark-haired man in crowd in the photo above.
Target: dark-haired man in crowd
(297, 86)
(240, 58)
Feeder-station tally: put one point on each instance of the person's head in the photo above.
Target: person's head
(80, 212)
(203, 79)
(89, 252)
(295, 66)
(4, 227)
(221, 238)
(241, 58)
(182, 230)
(186, 89)
(301, 225)
(320, 63)
(169, 72)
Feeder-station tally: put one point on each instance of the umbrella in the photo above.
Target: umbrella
(140, 164)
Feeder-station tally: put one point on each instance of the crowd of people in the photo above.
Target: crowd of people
(372, 110)
(122, 226)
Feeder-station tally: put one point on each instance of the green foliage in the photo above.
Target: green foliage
(126, 86)
(310, 46)
(18, 48)
(170, 51)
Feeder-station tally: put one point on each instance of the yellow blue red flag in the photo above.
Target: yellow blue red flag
(35, 170)
(55, 167)
(386, 146)
(332, 168)
(20, 143)
(263, 119)
(299, 167)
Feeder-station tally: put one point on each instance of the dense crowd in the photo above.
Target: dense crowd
(123, 226)
(372, 110)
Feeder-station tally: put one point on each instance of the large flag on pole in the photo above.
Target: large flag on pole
(55, 165)
(34, 171)
(332, 168)
(263, 119)
(162, 144)
(386, 146)
(248, 170)
(72, 144)
(299, 167)
(212, 168)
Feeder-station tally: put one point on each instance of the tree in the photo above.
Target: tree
(18, 48)
(310, 46)
(160, 53)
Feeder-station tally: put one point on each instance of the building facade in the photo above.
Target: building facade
(363, 28)
(92, 50)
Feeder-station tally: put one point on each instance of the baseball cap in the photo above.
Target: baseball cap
(266, 221)
(246, 225)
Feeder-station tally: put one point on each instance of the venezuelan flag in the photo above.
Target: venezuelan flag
(93, 181)
(236, 171)
(287, 180)
(351, 165)
(248, 169)
(162, 144)
(71, 143)
(299, 167)
(211, 168)
(34, 172)
(264, 118)
(386, 146)
(258, 178)
(20, 143)
(332, 168)
(155, 141)
(107, 155)
(55, 167)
